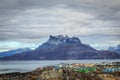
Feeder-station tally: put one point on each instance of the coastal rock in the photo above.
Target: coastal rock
(65, 73)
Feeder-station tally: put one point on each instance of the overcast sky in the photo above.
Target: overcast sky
(28, 23)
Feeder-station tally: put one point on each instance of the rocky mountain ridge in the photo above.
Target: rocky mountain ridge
(63, 48)
(115, 49)
(15, 51)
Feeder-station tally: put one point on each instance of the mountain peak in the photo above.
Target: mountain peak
(63, 48)
(60, 39)
(115, 49)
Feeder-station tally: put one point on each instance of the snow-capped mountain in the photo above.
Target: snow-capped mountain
(15, 51)
(115, 49)
(63, 48)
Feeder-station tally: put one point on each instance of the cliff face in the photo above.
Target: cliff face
(63, 48)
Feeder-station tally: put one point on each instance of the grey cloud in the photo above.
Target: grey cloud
(28, 20)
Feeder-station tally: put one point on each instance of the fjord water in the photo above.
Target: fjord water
(26, 66)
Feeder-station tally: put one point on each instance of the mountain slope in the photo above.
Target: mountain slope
(115, 49)
(63, 48)
(12, 52)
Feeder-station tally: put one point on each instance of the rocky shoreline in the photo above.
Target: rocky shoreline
(69, 72)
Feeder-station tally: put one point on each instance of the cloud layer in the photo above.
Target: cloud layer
(28, 21)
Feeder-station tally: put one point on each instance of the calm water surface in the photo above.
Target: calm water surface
(26, 66)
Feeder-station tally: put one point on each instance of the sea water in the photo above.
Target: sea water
(26, 66)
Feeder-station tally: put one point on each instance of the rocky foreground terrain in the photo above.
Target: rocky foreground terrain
(63, 73)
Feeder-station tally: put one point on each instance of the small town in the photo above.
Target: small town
(75, 71)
